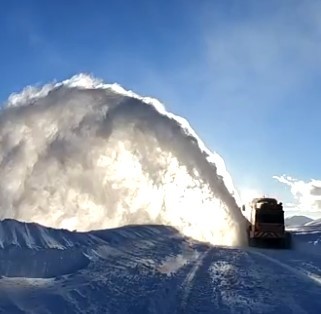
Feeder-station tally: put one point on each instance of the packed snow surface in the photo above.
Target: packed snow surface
(152, 269)
(85, 155)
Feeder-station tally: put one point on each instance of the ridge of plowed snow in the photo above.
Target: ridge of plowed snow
(35, 236)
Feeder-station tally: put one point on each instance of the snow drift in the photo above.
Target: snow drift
(85, 155)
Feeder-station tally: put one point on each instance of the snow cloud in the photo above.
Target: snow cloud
(86, 155)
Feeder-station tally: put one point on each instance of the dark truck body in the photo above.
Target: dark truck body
(266, 226)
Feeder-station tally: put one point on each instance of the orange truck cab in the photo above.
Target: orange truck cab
(266, 226)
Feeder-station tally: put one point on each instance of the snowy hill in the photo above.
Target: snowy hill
(316, 222)
(296, 221)
(151, 269)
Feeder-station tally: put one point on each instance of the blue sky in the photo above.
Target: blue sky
(246, 74)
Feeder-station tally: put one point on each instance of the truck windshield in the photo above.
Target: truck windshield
(270, 217)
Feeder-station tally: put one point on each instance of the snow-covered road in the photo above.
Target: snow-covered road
(153, 269)
(254, 281)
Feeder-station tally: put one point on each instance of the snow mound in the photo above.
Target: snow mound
(33, 251)
(316, 222)
(296, 221)
(35, 236)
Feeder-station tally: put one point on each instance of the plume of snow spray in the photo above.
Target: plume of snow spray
(85, 155)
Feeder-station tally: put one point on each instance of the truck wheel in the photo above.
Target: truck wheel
(287, 241)
(253, 242)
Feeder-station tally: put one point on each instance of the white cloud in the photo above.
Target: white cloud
(306, 195)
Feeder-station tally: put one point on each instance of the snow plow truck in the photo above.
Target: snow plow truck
(266, 225)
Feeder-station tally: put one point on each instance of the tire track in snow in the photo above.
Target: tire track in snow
(236, 281)
(298, 292)
(188, 282)
(304, 275)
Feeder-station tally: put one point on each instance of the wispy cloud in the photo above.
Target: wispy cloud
(265, 55)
